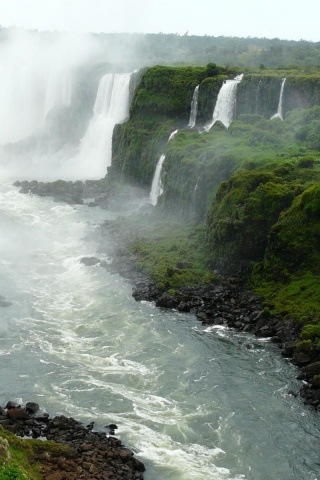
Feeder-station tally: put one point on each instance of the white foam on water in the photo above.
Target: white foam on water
(98, 355)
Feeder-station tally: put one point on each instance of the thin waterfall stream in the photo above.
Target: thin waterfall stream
(156, 186)
(279, 113)
(194, 108)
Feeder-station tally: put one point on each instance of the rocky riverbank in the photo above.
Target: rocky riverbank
(91, 455)
(226, 301)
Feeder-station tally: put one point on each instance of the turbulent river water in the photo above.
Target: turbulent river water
(192, 402)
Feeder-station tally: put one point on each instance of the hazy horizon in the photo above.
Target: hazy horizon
(283, 19)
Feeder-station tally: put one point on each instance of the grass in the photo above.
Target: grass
(23, 463)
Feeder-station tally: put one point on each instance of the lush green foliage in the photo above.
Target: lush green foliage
(257, 184)
(12, 472)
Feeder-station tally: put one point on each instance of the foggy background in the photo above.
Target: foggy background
(285, 19)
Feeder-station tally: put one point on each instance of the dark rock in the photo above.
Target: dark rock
(315, 381)
(32, 407)
(288, 349)
(301, 358)
(291, 392)
(89, 261)
(18, 413)
(312, 369)
(11, 404)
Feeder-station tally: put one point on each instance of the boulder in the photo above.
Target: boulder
(32, 407)
(312, 369)
(89, 261)
(18, 414)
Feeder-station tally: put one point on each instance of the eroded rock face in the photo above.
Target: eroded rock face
(92, 455)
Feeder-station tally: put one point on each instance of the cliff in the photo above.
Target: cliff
(254, 186)
(196, 164)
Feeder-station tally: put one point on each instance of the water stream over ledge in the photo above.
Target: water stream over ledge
(192, 402)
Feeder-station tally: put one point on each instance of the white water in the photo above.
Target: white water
(27, 94)
(95, 150)
(36, 75)
(192, 401)
(226, 102)
(156, 186)
(279, 113)
(194, 108)
(111, 107)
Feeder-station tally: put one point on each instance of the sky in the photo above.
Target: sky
(284, 19)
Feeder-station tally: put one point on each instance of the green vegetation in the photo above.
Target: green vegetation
(255, 187)
(161, 104)
(171, 253)
(19, 458)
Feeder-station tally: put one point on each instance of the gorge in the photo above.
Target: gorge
(191, 400)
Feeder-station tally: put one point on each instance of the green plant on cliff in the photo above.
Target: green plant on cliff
(25, 457)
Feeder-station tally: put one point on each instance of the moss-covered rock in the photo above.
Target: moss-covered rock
(240, 220)
(294, 241)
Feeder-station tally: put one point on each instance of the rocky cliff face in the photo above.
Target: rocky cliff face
(196, 164)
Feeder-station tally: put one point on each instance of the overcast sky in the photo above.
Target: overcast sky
(285, 19)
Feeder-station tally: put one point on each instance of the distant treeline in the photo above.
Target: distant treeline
(174, 49)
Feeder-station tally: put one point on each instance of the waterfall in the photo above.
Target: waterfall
(196, 190)
(58, 89)
(27, 94)
(173, 134)
(156, 187)
(279, 113)
(225, 105)
(194, 108)
(111, 107)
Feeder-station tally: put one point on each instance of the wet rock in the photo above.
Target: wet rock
(288, 349)
(312, 369)
(18, 413)
(301, 358)
(32, 407)
(11, 404)
(89, 261)
(315, 381)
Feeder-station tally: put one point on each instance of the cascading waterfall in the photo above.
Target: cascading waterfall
(194, 108)
(279, 113)
(225, 106)
(111, 107)
(156, 186)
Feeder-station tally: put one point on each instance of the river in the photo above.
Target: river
(192, 402)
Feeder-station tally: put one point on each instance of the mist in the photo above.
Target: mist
(50, 126)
